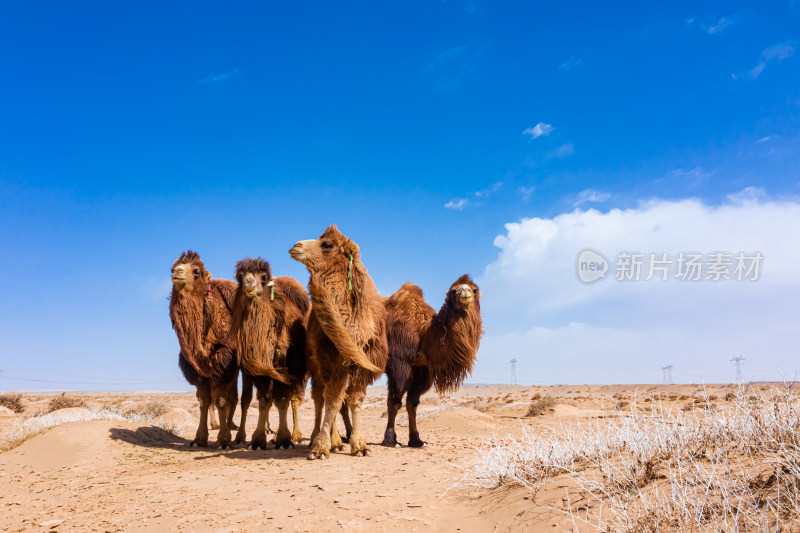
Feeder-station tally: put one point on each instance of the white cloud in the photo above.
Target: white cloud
(722, 24)
(561, 330)
(539, 130)
(458, 204)
(526, 192)
(562, 151)
(766, 138)
(571, 64)
(695, 176)
(590, 195)
(219, 78)
(490, 190)
(779, 52)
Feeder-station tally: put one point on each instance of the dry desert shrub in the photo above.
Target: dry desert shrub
(736, 469)
(64, 402)
(12, 401)
(541, 406)
(150, 409)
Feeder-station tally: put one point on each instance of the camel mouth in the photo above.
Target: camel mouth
(466, 300)
(250, 292)
(297, 253)
(176, 279)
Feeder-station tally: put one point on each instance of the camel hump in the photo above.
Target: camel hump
(294, 291)
(227, 289)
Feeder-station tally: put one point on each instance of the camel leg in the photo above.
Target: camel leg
(398, 377)
(247, 397)
(418, 386)
(233, 399)
(213, 423)
(334, 392)
(336, 438)
(297, 399)
(355, 400)
(348, 426)
(259, 439)
(220, 396)
(317, 394)
(204, 396)
(282, 396)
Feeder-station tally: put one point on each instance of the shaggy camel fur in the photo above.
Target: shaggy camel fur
(269, 331)
(200, 310)
(428, 348)
(346, 335)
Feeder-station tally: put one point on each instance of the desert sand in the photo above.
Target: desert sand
(107, 475)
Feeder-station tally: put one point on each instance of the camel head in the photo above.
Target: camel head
(463, 294)
(254, 277)
(321, 254)
(189, 273)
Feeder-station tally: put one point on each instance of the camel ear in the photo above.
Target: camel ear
(351, 248)
(207, 275)
(480, 294)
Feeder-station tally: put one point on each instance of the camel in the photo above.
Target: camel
(268, 329)
(429, 349)
(200, 311)
(346, 335)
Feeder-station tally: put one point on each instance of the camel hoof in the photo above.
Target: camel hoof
(219, 447)
(367, 453)
(358, 454)
(227, 447)
(397, 445)
(311, 456)
(250, 447)
(192, 445)
(323, 457)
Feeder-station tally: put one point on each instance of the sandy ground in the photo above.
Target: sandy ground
(120, 476)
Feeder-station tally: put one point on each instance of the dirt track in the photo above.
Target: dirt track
(120, 476)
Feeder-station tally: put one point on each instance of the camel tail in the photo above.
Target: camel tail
(258, 368)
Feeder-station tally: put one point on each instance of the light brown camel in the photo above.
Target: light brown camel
(427, 348)
(346, 334)
(200, 311)
(269, 331)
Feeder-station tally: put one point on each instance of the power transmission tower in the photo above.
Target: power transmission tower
(738, 362)
(514, 371)
(667, 370)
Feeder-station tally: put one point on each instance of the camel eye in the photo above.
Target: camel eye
(327, 246)
(263, 279)
(196, 272)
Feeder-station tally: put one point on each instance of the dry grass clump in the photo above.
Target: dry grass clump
(150, 409)
(64, 402)
(736, 469)
(12, 401)
(541, 406)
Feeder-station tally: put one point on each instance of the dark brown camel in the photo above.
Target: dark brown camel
(428, 349)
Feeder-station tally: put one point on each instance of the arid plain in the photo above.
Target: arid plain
(119, 475)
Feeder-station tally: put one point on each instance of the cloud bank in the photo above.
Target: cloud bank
(562, 330)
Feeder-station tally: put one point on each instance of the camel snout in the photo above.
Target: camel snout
(178, 274)
(298, 251)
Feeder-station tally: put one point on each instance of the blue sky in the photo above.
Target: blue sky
(129, 133)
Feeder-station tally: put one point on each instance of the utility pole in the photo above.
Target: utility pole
(667, 370)
(737, 361)
(514, 371)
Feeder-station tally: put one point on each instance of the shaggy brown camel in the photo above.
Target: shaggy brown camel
(427, 348)
(200, 310)
(269, 332)
(346, 335)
